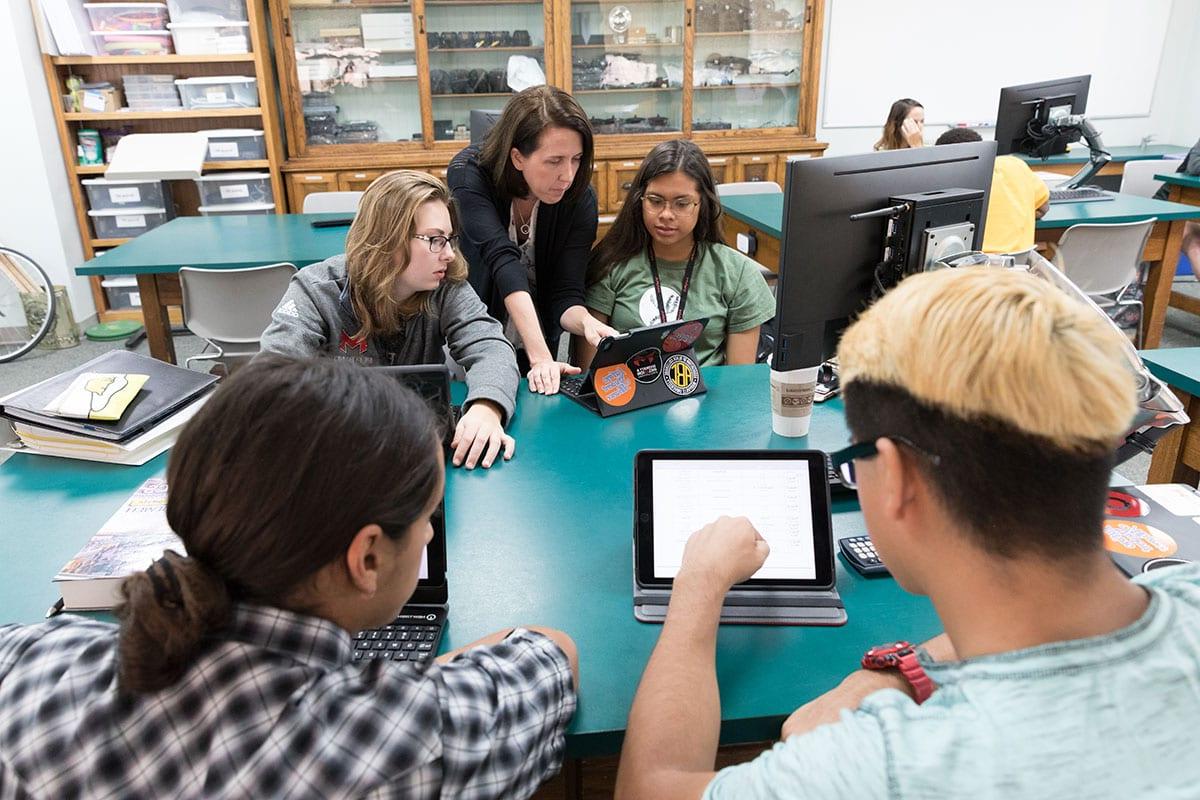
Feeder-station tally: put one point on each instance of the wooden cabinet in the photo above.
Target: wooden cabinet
(755, 168)
(620, 181)
(358, 180)
(302, 184)
(722, 168)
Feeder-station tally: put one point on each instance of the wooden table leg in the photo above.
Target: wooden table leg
(1168, 464)
(158, 323)
(1158, 285)
(572, 773)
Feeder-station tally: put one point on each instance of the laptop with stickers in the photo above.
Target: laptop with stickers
(642, 367)
(785, 495)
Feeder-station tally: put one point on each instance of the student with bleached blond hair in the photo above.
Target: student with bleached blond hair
(985, 407)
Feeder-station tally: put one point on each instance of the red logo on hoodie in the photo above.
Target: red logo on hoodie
(349, 342)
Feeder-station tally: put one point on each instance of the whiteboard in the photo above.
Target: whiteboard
(955, 55)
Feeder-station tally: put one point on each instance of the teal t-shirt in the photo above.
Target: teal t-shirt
(1112, 716)
(726, 286)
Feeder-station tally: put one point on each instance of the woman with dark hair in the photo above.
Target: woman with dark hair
(905, 126)
(528, 215)
(664, 259)
(303, 492)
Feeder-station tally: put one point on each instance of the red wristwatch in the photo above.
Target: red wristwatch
(901, 656)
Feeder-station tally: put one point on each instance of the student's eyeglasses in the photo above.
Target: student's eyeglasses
(436, 243)
(680, 205)
(843, 460)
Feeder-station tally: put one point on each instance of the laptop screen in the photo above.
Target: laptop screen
(782, 493)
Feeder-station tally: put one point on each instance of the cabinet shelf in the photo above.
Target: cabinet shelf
(466, 95)
(627, 46)
(98, 169)
(170, 59)
(531, 48)
(614, 89)
(194, 113)
(429, 3)
(768, 32)
(748, 86)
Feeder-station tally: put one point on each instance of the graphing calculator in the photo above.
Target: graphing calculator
(860, 553)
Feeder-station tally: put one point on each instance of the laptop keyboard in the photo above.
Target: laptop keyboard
(1082, 195)
(409, 637)
(572, 385)
(835, 480)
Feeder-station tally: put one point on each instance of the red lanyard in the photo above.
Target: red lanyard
(683, 289)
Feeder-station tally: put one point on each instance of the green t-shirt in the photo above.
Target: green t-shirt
(726, 286)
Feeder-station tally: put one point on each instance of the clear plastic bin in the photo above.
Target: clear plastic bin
(151, 92)
(121, 223)
(219, 91)
(237, 209)
(133, 43)
(104, 194)
(122, 292)
(235, 188)
(235, 145)
(208, 10)
(127, 16)
(203, 38)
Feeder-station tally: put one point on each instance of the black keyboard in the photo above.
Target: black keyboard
(572, 385)
(1083, 195)
(409, 637)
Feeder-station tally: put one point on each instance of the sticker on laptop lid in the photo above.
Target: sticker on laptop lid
(1120, 504)
(615, 384)
(1137, 539)
(646, 365)
(682, 337)
(681, 374)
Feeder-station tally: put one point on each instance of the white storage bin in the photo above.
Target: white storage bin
(237, 209)
(235, 145)
(104, 194)
(127, 16)
(133, 43)
(120, 223)
(122, 292)
(219, 91)
(208, 10)
(235, 188)
(203, 38)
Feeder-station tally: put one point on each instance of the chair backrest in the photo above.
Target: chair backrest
(1101, 259)
(232, 305)
(321, 202)
(1138, 177)
(748, 187)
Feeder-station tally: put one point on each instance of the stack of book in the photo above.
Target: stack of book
(122, 407)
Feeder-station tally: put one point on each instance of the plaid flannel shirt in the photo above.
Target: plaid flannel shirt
(276, 708)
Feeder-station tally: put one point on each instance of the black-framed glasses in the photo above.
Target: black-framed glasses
(843, 460)
(436, 243)
(680, 205)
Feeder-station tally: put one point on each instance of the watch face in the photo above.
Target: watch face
(619, 19)
(890, 649)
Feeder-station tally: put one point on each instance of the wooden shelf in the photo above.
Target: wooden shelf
(749, 86)
(615, 89)
(394, 78)
(616, 48)
(774, 32)
(98, 169)
(472, 94)
(192, 113)
(171, 59)
(531, 48)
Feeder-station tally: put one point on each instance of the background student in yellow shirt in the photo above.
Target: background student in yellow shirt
(1018, 199)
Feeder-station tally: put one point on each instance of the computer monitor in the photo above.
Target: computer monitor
(1041, 102)
(827, 261)
(481, 123)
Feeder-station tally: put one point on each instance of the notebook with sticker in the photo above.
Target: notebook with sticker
(643, 367)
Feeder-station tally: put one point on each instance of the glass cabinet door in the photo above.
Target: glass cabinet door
(357, 71)
(480, 52)
(627, 64)
(747, 64)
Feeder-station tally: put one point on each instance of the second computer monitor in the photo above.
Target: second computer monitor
(1037, 103)
(827, 261)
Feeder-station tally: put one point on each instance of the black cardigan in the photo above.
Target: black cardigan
(562, 242)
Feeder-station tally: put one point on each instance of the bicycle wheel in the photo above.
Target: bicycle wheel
(26, 304)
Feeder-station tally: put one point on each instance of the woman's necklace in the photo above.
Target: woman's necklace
(523, 226)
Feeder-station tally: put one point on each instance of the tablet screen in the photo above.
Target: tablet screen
(782, 493)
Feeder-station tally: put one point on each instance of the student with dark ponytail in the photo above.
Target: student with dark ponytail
(302, 492)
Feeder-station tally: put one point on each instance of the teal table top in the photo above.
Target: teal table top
(544, 539)
(764, 212)
(1180, 179)
(223, 243)
(1177, 366)
(1119, 154)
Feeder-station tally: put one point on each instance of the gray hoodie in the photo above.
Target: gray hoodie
(315, 317)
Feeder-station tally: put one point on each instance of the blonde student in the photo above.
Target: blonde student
(396, 296)
(664, 259)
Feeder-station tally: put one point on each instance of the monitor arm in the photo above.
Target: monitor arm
(1158, 410)
(1075, 125)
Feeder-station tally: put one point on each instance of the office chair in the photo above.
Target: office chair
(230, 308)
(321, 202)
(1104, 261)
(1138, 177)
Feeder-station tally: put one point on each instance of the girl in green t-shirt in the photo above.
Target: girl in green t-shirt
(664, 259)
